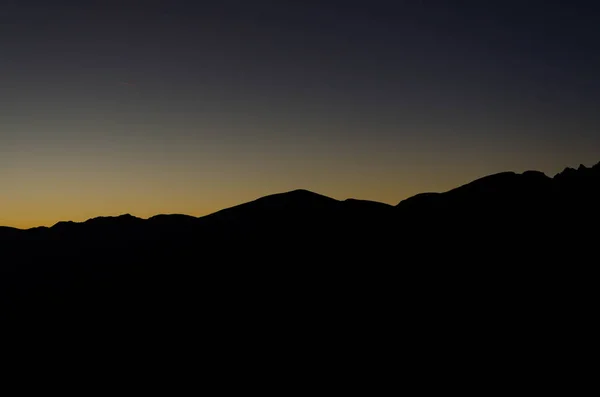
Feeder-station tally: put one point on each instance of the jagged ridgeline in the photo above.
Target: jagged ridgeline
(503, 238)
(506, 193)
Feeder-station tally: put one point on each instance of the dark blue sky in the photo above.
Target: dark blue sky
(191, 106)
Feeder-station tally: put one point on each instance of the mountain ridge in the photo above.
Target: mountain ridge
(298, 196)
(508, 237)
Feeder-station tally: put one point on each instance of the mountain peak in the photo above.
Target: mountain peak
(62, 224)
(297, 195)
(568, 171)
(535, 174)
(568, 174)
(301, 192)
(120, 219)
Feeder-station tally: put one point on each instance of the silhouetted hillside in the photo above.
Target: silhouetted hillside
(497, 239)
(527, 200)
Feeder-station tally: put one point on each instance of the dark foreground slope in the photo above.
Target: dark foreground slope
(502, 249)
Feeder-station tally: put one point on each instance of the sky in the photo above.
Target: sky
(148, 107)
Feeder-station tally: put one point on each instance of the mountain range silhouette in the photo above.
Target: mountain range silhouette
(507, 248)
(502, 193)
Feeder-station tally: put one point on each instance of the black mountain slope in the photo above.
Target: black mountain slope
(298, 206)
(508, 218)
(489, 241)
(509, 196)
(524, 203)
(493, 192)
(298, 212)
(7, 232)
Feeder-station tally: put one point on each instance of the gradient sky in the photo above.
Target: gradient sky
(147, 107)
